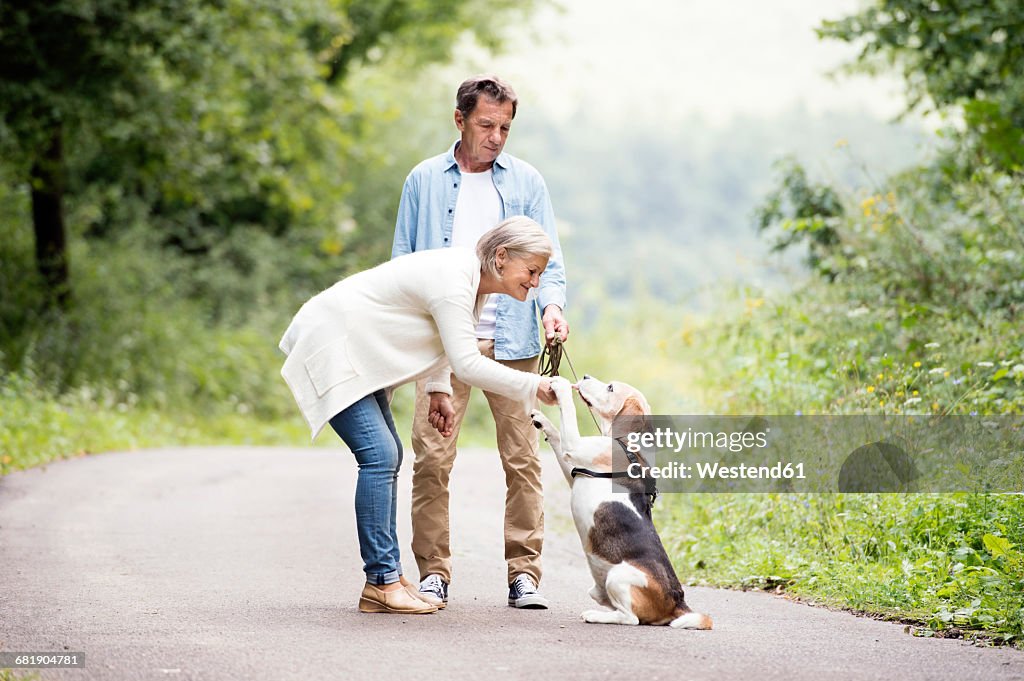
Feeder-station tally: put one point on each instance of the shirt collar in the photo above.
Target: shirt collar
(502, 161)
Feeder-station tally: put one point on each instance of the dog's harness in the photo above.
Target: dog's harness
(649, 484)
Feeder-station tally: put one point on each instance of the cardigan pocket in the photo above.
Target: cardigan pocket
(330, 366)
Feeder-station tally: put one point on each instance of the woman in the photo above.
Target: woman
(413, 317)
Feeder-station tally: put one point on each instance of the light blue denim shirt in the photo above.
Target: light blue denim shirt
(426, 215)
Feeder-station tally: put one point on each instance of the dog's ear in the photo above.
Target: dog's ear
(631, 407)
(634, 406)
(635, 414)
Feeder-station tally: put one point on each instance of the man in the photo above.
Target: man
(451, 200)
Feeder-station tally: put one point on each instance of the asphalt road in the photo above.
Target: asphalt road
(242, 563)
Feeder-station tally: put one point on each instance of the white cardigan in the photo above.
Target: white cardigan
(406, 319)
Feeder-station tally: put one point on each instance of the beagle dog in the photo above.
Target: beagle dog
(632, 572)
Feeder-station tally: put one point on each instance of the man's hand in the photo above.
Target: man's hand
(441, 414)
(554, 323)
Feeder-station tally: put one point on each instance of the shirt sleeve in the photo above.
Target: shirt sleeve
(455, 323)
(408, 216)
(552, 282)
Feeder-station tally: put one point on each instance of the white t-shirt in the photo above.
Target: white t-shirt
(477, 210)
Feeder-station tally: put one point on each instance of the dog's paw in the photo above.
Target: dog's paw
(609, 617)
(561, 387)
(595, 616)
(541, 423)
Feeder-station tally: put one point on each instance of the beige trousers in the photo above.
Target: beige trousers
(517, 447)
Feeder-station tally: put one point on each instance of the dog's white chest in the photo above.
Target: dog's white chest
(587, 496)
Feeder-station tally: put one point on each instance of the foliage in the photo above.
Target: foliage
(803, 212)
(921, 313)
(960, 55)
(206, 121)
(66, 62)
(917, 311)
(926, 292)
(230, 160)
(132, 332)
(940, 560)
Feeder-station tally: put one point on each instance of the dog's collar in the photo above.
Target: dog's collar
(633, 458)
(594, 474)
(652, 489)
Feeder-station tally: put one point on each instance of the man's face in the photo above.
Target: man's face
(484, 133)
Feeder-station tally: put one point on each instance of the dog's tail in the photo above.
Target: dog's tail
(689, 619)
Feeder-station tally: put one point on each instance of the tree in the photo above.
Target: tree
(63, 63)
(952, 54)
(800, 211)
(198, 117)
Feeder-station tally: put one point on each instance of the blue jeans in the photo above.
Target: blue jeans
(369, 431)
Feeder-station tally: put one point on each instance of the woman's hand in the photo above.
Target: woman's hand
(544, 392)
(441, 414)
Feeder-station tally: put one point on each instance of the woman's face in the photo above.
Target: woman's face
(519, 275)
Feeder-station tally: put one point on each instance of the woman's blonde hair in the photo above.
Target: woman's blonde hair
(521, 237)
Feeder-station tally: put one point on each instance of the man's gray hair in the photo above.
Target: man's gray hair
(521, 237)
(485, 84)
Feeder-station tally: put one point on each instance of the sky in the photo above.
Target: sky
(713, 58)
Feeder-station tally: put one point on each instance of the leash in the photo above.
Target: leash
(551, 359)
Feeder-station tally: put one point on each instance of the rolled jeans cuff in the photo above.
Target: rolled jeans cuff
(382, 578)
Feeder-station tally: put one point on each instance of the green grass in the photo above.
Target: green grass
(946, 562)
(18, 675)
(37, 427)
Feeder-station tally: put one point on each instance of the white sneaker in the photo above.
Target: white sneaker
(434, 590)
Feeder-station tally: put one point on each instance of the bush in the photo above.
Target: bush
(147, 353)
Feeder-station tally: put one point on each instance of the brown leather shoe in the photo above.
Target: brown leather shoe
(415, 592)
(399, 602)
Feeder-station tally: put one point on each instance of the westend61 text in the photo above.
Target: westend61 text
(715, 471)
